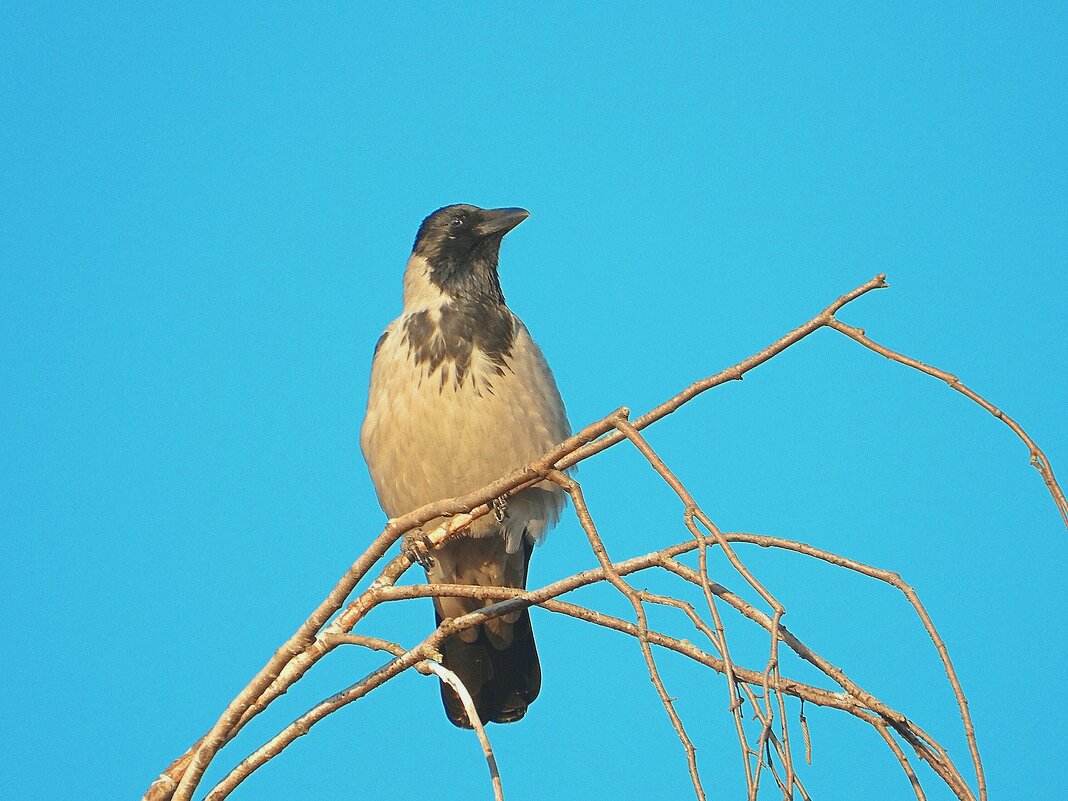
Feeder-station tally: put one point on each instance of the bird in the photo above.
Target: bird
(460, 395)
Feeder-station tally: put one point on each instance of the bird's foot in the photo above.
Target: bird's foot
(500, 509)
(416, 546)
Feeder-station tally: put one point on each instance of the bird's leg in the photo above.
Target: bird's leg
(500, 509)
(416, 546)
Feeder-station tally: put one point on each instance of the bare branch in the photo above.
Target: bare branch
(764, 688)
(463, 510)
(453, 681)
(901, 758)
(734, 373)
(1038, 458)
(430, 667)
(575, 491)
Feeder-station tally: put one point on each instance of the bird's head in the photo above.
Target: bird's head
(461, 245)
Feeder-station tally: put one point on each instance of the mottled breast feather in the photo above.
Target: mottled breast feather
(446, 338)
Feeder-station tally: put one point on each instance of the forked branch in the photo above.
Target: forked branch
(764, 690)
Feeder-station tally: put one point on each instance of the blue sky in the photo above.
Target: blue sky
(204, 216)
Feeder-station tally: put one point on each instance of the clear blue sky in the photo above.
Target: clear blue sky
(204, 216)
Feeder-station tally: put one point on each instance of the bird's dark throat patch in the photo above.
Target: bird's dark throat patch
(467, 271)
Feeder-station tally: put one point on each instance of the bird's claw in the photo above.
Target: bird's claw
(500, 509)
(416, 546)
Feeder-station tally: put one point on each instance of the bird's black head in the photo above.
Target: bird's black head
(461, 244)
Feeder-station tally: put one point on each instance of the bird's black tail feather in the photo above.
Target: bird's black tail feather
(502, 683)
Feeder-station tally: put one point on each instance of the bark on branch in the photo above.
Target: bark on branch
(765, 748)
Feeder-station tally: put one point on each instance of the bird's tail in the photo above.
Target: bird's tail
(498, 660)
(502, 681)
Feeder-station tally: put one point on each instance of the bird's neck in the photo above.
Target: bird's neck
(420, 292)
(429, 285)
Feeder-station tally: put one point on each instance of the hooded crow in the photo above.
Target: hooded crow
(460, 396)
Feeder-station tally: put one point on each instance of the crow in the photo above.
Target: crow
(460, 395)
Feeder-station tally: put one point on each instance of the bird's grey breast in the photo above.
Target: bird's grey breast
(459, 397)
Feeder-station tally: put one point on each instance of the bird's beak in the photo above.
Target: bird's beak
(500, 221)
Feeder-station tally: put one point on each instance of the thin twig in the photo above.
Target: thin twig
(431, 667)
(453, 681)
(857, 702)
(692, 511)
(573, 489)
(734, 373)
(1038, 458)
(903, 760)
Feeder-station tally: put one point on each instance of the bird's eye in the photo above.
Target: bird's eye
(456, 222)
